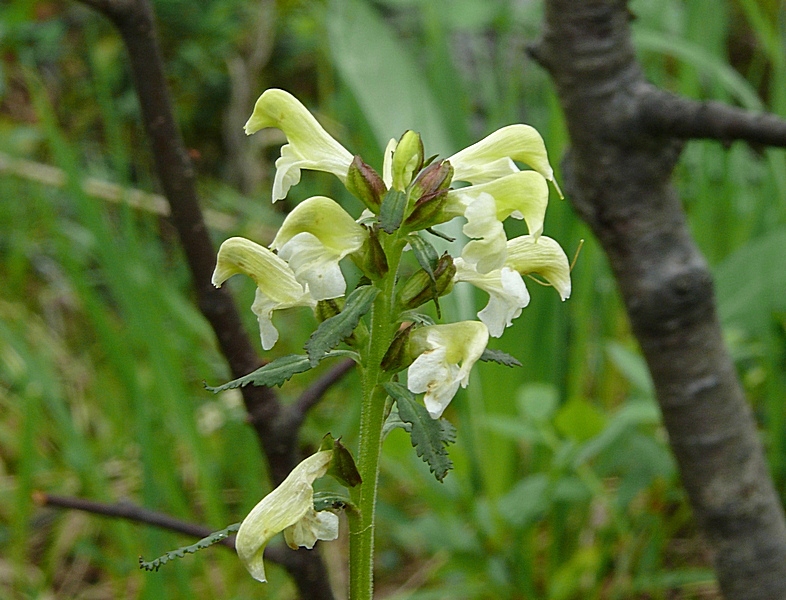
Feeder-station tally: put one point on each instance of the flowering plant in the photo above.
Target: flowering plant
(377, 323)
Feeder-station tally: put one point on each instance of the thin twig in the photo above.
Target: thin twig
(130, 512)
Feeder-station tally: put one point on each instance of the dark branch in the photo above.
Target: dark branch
(138, 514)
(618, 178)
(135, 21)
(666, 114)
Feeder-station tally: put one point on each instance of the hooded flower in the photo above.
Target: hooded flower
(493, 156)
(288, 508)
(521, 195)
(506, 289)
(277, 286)
(315, 236)
(543, 256)
(309, 147)
(507, 292)
(446, 354)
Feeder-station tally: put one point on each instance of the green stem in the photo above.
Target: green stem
(372, 418)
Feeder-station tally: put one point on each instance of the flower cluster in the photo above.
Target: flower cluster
(302, 266)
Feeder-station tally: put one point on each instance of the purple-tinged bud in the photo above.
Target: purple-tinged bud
(434, 178)
(364, 183)
(398, 356)
(420, 287)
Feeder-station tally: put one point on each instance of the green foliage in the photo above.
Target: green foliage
(563, 488)
(206, 542)
(430, 437)
(331, 332)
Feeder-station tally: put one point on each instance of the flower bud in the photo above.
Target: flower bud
(420, 287)
(364, 183)
(398, 355)
(407, 159)
(371, 258)
(434, 178)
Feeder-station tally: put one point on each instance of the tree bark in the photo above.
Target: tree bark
(617, 176)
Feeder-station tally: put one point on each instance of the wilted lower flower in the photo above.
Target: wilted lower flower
(277, 286)
(288, 508)
(446, 354)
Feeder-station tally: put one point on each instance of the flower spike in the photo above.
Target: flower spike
(309, 147)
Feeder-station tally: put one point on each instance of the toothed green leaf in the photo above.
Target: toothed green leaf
(213, 538)
(429, 436)
(331, 331)
(498, 356)
(278, 371)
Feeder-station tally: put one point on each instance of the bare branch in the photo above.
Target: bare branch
(138, 514)
(135, 21)
(663, 113)
(129, 512)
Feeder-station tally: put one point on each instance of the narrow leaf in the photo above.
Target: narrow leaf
(429, 436)
(278, 371)
(273, 373)
(425, 253)
(498, 356)
(213, 538)
(332, 331)
(391, 213)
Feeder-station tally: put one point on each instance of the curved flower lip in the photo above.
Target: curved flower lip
(493, 156)
(507, 292)
(309, 147)
(446, 356)
(288, 508)
(314, 237)
(521, 195)
(543, 256)
(277, 287)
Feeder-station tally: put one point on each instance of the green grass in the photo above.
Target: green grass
(563, 487)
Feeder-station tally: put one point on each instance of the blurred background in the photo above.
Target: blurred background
(564, 486)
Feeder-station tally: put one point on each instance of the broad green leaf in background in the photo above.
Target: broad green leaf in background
(384, 79)
(751, 283)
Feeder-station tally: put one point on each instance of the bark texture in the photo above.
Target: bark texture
(617, 175)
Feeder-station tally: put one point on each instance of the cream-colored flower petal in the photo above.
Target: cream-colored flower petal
(544, 257)
(313, 526)
(485, 160)
(523, 194)
(487, 247)
(314, 266)
(507, 292)
(387, 163)
(314, 237)
(446, 354)
(309, 147)
(282, 508)
(277, 286)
